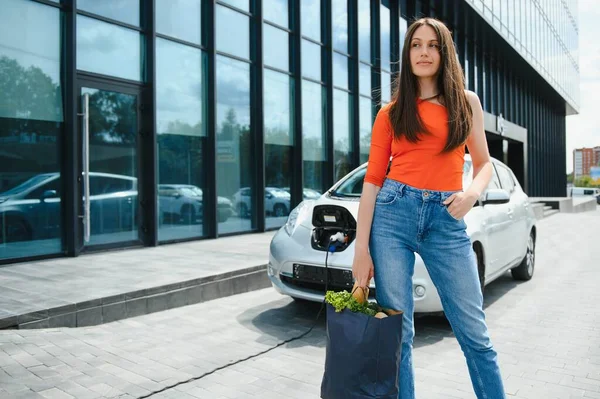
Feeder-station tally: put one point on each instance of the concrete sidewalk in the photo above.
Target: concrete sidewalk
(545, 331)
(108, 286)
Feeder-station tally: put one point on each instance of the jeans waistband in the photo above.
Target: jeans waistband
(424, 194)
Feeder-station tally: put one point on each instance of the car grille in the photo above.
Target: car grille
(313, 278)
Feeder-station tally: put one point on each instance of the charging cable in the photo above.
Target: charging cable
(335, 241)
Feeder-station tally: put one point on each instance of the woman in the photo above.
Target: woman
(419, 206)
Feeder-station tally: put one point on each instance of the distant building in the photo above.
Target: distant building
(584, 159)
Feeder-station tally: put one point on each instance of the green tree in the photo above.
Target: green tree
(28, 93)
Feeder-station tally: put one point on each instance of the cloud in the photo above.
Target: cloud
(583, 130)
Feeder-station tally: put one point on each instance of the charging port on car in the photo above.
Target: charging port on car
(333, 224)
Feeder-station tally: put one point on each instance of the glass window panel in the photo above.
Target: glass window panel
(31, 118)
(180, 19)
(386, 87)
(233, 32)
(127, 11)
(342, 135)
(311, 60)
(385, 38)
(278, 147)
(310, 14)
(403, 29)
(276, 47)
(364, 30)
(364, 81)
(365, 123)
(314, 153)
(241, 4)
(340, 70)
(181, 142)
(235, 170)
(339, 9)
(276, 11)
(108, 49)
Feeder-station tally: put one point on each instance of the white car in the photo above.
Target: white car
(501, 227)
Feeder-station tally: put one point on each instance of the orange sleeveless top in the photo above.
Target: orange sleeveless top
(422, 164)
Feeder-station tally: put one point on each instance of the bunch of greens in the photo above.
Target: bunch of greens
(344, 300)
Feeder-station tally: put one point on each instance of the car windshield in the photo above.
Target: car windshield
(26, 185)
(353, 185)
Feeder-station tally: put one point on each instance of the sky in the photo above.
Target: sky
(583, 130)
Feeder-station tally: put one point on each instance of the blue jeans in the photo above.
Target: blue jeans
(406, 221)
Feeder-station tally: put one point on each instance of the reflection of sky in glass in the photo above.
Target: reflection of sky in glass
(341, 120)
(276, 47)
(179, 18)
(32, 47)
(108, 49)
(277, 108)
(340, 70)
(365, 123)
(241, 4)
(339, 11)
(127, 11)
(310, 14)
(385, 38)
(276, 11)
(312, 121)
(364, 81)
(386, 87)
(403, 29)
(178, 87)
(311, 60)
(233, 90)
(364, 30)
(233, 32)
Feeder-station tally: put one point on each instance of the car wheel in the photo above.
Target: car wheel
(243, 210)
(279, 210)
(480, 266)
(15, 230)
(524, 271)
(188, 214)
(222, 218)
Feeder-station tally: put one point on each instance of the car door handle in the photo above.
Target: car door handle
(510, 212)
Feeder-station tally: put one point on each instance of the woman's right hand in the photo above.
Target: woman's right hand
(362, 268)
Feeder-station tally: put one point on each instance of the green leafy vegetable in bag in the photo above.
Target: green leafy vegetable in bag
(344, 300)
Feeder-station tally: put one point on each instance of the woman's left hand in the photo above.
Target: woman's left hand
(459, 204)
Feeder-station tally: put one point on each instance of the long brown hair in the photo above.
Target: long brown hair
(404, 116)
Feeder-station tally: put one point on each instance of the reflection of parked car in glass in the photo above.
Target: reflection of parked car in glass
(183, 202)
(31, 210)
(277, 201)
(584, 191)
(307, 193)
(501, 227)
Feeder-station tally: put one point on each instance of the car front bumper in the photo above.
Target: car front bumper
(286, 251)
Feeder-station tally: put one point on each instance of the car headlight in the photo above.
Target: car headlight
(297, 216)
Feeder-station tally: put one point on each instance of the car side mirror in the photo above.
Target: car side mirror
(269, 196)
(496, 196)
(48, 194)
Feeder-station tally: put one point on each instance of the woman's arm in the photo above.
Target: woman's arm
(379, 158)
(461, 203)
(365, 216)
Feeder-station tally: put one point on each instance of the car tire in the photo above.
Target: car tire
(279, 210)
(480, 265)
(243, 210)
(15, 230)
(221, 218)
(188, 214)
(524, 272)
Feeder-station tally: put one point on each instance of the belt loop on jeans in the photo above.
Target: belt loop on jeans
(400, 189)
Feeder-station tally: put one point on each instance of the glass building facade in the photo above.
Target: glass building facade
(146, 122)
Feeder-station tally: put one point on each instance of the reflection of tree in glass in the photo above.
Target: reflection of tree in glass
(113, 117)
(28, 93)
